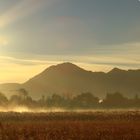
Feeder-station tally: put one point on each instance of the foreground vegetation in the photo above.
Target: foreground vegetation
(118, 125)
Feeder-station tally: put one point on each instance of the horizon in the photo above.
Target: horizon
(62, 63)
(96, 35)
(68, 64)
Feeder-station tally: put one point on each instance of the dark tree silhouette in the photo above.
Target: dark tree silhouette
(85, 100)
(56, 101)
(115, 100)
(3, 99)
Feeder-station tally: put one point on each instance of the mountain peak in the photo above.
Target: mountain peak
(66, 64)
(116, 70)
(69, 79)
(65, 67)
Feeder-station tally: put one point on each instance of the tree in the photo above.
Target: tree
(23, 93)
(22, 98)
(56, 101)
(136, 101)
(15, 99)
(3, 99)
(85, 100)
(115, 100)
(42, 101)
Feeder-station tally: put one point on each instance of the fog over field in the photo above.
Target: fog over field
(70, 70)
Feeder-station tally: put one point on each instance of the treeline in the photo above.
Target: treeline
(82, 101)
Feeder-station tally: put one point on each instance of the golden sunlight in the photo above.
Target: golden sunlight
(3, 41)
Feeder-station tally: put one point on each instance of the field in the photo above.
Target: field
(98, 125)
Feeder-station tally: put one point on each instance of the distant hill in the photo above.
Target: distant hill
(69, 80)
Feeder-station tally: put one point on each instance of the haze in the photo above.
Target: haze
(97, 35)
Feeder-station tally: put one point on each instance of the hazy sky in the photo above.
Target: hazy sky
(95, 34)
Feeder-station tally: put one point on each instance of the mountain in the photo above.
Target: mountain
(68, 79)
(62, 79)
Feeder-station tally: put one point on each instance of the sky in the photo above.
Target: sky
(97, 35)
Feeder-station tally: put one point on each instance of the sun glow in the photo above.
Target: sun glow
(3, 41)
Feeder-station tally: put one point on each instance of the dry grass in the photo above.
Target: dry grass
(70, 126)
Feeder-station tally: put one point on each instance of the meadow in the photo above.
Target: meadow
(97, 125)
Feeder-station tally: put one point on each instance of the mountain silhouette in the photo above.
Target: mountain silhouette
(68, 79)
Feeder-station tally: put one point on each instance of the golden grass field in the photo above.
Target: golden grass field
(99, 125)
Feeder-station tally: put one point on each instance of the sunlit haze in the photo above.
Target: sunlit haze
(96, 35)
